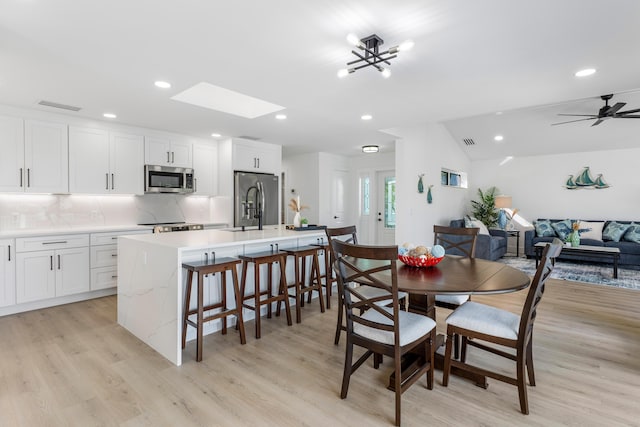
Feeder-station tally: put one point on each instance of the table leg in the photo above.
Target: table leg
(615, 266)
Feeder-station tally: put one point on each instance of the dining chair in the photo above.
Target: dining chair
(485, 323)
(380, 329)
(348, 234)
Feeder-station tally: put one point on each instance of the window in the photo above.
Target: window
(450, 178)
(366, 196)
(390, 202)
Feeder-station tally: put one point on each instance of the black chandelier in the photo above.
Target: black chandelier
(371, 55)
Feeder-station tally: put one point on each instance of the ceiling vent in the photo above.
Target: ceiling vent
(56, 105)
(469, 141)
(252, 138)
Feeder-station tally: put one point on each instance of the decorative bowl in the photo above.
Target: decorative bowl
(419, 262)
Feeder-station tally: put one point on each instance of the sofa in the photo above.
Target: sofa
(490, 246)
(629, 250)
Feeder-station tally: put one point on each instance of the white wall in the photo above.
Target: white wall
(536, 184)
(302, 178)
(425, 150)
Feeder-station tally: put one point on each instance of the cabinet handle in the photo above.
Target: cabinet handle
(173, 157)
(114, 255)
(114, 277)
(54, 243)
(112, 181)
(195, 185)
(254, 163)
(58, 262)
(114, 238)
(106, 175)
(168, 161)
(51, 262)
(28, 177)
(9, 247)
(21, 177)
(258, 162)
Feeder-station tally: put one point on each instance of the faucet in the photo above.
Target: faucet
(258, 201)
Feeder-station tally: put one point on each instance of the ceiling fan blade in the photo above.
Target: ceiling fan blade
(572, 121)
(597, 122)
(594, 116)
(616, 107)
(637, 110)
(628, 116)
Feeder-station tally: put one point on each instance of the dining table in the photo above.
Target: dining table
(454, 275)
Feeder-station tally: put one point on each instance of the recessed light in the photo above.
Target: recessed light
(162, 85)
(109, 115)
(586, 72)
(498, 113)
(281, 116)
(370, 148)
(366, 117)
(498, 138)
(216, 135)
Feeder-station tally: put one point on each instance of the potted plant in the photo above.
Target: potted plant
(304, 222)
(485, 209)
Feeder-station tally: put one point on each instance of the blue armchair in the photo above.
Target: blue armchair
(488, 246)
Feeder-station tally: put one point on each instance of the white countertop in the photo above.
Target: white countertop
(9, 234)
(203, 239)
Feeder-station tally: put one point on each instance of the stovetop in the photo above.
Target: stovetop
(173, 226)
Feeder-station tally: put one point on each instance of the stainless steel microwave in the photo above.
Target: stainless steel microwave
(167, 179)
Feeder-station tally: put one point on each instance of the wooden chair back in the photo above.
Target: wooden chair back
(456, 239)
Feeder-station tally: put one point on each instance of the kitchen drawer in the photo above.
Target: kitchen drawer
(112, 237)
(42, 243)
(104, 277)
(104, 256)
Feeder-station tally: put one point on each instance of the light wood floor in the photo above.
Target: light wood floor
(74, 365)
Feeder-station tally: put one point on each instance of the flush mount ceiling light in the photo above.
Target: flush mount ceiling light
(281, 116)
(162, 85)
(498, 138)
(216, 135)
(109, 115)
(370, 148)
(366, 117)
(586, 72)
(371, 56)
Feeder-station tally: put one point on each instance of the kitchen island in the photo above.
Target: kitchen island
(151, 278)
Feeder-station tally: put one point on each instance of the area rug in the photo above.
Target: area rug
(578, 272)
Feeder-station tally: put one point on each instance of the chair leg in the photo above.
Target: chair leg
(187, 303)
(346, 376)
(456, 346)
(522, 383)
(432, 362)
(340, 315)
(463, 350)
(447, 359)
(239, 308)
(532, 376)
(398, 386)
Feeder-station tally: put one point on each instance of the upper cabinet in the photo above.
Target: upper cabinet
(34, 156)
(167, 152)
(103, 162)
(253, 156)
(205, 168)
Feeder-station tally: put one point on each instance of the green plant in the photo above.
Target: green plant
(304, 221)
(485, 209)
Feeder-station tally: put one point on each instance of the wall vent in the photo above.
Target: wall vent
(57, 105)
(469, 141)
(252, 138)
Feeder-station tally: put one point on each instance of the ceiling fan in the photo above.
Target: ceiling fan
(606, 112)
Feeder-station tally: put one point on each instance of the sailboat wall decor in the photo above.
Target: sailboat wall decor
(584, 179)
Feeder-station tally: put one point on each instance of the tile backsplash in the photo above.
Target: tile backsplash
(24, 211)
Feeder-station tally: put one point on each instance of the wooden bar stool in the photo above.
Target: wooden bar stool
(269, 258)
(300, 255)
(327, 278)
(202, 268)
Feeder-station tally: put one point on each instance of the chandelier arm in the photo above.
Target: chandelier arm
(378, 59)
(375, 55)
(369, 61)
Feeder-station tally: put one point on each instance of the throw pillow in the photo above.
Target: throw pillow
(562, 228)
(614, 231)
(470, 222)
(543, 228)
(633, 233)
(590, 230)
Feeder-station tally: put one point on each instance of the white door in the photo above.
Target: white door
(386, 208)
(12, 171)
(46, 157)
(89, 161)
(338, 198)
(7, 272)
(126, 163)
(35, 276)
(72, 271)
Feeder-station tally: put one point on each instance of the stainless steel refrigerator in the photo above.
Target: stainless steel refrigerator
(255, 193)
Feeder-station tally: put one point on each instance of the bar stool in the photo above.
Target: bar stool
(327, 278)
(269, 258)
(300, 255)
(202, 268)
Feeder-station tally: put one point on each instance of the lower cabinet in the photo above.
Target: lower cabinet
(7, 272)
(48, 274)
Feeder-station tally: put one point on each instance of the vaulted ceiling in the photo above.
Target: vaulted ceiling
(471, 59)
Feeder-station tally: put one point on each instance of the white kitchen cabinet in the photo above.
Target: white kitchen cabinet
(102, 162)
(168, 152)
(62, 269)
(253, 156)
(205, 168)
(34, 156)
(7, 272)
